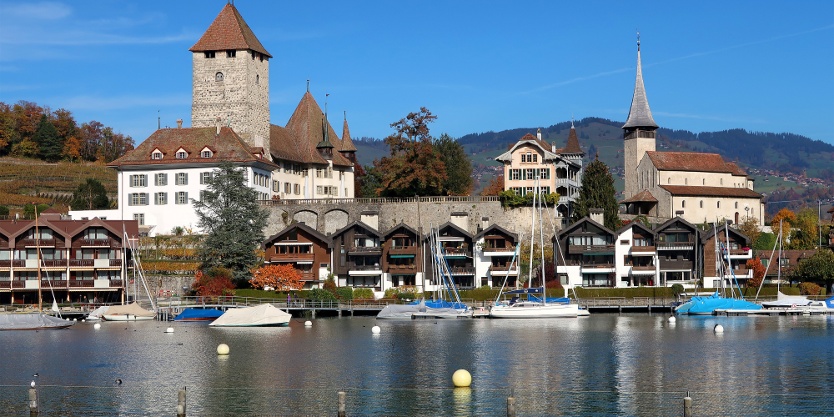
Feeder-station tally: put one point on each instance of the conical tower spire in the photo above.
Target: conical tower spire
(640, 115)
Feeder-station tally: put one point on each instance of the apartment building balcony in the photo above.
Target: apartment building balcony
(400, 269)
(12, 263)
(292, 258)
(499, 251)
(591, 249)
(503, 270)
(402, 250)
(597, 268)
(675, 246)
(43, 243)
(676, 265)
(643, 251)
(739, 253)
(643, 270)
(462, 270)
(449, 252)
(100, 243)
(365, 250)
(363, 270)
(95, 263)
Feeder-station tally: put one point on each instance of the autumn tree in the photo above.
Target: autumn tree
(750, 228)
(458, 167)
(787, 218)
(758, 269)
(370, 184)
(8, 128)
(213, 282)
(283, 277)
(90, 195)
(495, 187)
(598, 191)
(804, 231)
(414, 166)
(232, 221)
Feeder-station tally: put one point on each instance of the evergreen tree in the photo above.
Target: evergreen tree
(49, 144)
(90, 195)
(232, 221)
(598, 192)
(458, 167)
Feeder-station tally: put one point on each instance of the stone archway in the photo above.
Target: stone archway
(334, 220)
(308, 217)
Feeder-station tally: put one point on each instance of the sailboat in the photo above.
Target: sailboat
(708, 305)
(533, 306)
(133, 311)
(438, 308)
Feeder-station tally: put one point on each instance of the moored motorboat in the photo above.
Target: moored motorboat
(199, 314)
(264, 315)
(128, 312)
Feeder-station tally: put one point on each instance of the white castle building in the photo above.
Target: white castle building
(230, 122)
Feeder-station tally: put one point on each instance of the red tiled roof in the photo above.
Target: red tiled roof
(229, 31)
(347, 142)
(642, 197)
(303, 132)
(735, 169)
(691, 161)
(690, 190)
(227, 146)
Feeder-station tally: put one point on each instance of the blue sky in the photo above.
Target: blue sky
(478, 65)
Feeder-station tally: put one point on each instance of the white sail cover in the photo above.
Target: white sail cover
(261, 315)
(31, 321)
(787, 301)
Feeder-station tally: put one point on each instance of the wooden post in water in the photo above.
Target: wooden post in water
(181, 403)
(510, 406)
(342, 412)
(687, 405)
(33, 401)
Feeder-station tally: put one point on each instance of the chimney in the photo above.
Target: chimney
(597, 215)
(539, 134)
(179, 123)
(217, 122)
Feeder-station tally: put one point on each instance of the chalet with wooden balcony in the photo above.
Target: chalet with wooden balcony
(678, 252)
(725, 255)
(495, 250)
(586, 255)
(305, 249)
(780, 265)
(76, 260)
(636, 256)
(455, 248)
(402, 258)
(358, 257)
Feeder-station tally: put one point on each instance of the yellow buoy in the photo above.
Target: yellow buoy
(222, 349)
(462, 378)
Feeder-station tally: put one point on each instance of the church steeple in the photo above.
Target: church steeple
(640, 115)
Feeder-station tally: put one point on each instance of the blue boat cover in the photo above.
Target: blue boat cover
(830, 302)
(198, 314)
(708, 305)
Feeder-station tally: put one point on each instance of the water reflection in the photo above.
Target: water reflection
(601, 365)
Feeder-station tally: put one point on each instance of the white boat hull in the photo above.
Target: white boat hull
(126, 317)
(526, 310)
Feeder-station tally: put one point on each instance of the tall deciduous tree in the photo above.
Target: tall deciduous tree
(414, 167)
(232, 221)
(804, 234)
(458, 167)
(787, 218)
(750, 228)
(598, 192)
(90, 195)
(758, 269)
(495, 187)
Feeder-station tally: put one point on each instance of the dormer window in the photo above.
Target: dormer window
(156, 154)
(206, 153)
(218, 77)
(181, 154)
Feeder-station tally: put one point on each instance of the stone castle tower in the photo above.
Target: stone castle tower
(230, 76)
(638, 131)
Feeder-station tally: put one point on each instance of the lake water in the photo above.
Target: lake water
(603, 365)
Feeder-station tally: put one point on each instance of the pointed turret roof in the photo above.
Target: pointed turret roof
(229, 31)
(640, 115)
(304, 131)
(573, 142)
(347, 142)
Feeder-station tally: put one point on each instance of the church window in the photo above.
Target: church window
(209, 54)
(218, 77)
(231, 53)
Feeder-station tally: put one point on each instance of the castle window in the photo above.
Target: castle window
(218, 77)
(205, 177)
(231, 53)
(257, 79)
(704, 181)
(683, 203)
(139, 180)
(160, 179)
(721, 181)
(686, 181)
(297, 189)
(736, 204)
(137, 199)
(181, 155)
(182, 178)
(160, 199)
(209, 54)
(717, 204)
(701, 204)
(181, 197)
(206, 153)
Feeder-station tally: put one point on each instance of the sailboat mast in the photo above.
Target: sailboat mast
(38, 257)
(541, 244)
(779, 260)
(532, 237)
